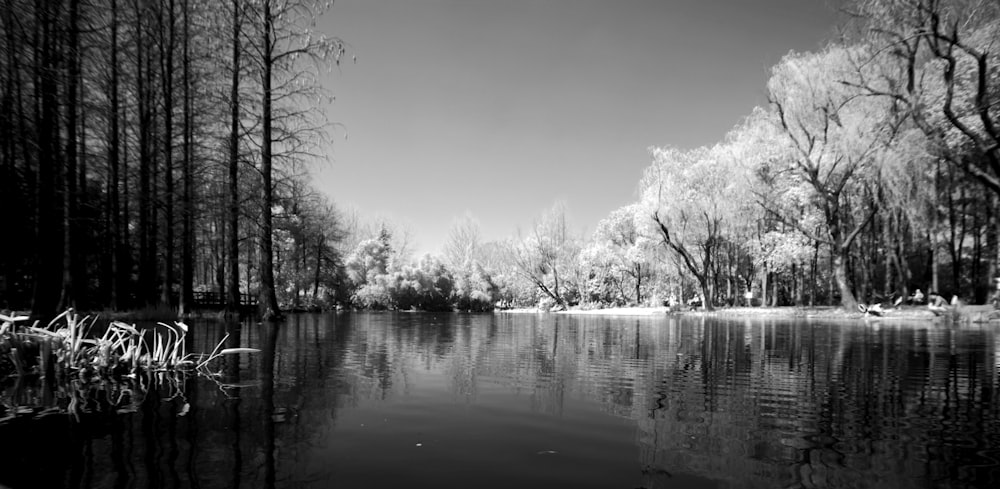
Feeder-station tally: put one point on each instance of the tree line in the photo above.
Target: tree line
(156, 148)
(152, 147)
(873, 171)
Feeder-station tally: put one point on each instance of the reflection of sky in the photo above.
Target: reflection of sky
(380, 400)
(714, 400)
(501, 107)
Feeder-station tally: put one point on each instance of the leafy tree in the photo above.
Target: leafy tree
(308, 230)
(475, 289)
(692, 197)
(948, 77)
(834, 134)
(370, 259)
(618, 257)
(942, 69)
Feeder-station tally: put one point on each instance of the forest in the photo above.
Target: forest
(155, 149)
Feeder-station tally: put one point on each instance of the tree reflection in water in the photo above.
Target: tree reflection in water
(537, 401)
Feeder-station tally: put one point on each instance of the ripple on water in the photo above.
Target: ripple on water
(390, 400)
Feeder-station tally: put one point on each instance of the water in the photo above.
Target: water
(451, 400)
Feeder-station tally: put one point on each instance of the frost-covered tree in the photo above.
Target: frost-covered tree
(834, 134)
(617, 258)
(370, 259)
(778, 194)
(547, 257)
(475, 289)
(942, 65)
(941, 70)
(693, 197)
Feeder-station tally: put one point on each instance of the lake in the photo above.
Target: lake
(379, 400)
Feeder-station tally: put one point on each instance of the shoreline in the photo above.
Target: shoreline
(975, 314)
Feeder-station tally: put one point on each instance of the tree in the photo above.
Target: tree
(462, 247)
(691, 196)
(49, 255)
(618, 255)
(371, 258)
(141, 75)
(147, 267)
(307, 233)
(187, 231)
(773, 246)
(283, 38)
(834, 133)
(950, 74)
(943, 71)
(233, 278)
(115, 276)
(71, 269)
(547, 257)
(474, 289)
(167, 43)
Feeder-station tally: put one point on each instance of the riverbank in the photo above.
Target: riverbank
(611, 311)
(975, 314)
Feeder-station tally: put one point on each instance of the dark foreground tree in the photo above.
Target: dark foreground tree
(286, 50)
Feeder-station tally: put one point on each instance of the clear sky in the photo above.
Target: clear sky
(500, 108)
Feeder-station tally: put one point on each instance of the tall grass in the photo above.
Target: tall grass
(81, 364)
(66, 345)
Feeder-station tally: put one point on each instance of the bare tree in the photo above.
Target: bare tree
(283, 38)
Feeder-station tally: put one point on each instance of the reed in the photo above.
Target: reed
(83, 371)
(67, 345)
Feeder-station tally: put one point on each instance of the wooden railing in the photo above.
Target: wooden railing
(215, 300)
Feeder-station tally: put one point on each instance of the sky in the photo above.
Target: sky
(500, 108)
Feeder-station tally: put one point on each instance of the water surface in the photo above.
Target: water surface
(452, 400)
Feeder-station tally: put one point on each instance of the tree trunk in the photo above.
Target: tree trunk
(167, 79)
(813, 272)
(8, 147)
(319, 261)
(125, 251)
(797, 278)
(70, 295)
(188, 237)
(267, 300)
(49, 224)
(155, 264)
(233, 288)
(979, 282)
(707, 298)
(221, 242)
(847, 299)
(638, 284)
(774, 292)
(902, 269)
(763, 284)
(956, 232)
(935, 259)
(297, 251)
(889, 249)
(147, 244)
(993, 242)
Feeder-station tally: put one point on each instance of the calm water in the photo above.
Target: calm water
(484, 401)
